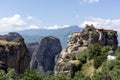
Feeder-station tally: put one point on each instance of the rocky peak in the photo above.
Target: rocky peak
(12, 36)
(91, 35)
(78, 42)
(13, 52)
(43, 57)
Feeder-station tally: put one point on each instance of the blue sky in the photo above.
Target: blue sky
(52, 14)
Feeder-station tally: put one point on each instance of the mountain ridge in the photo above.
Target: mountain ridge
(33, 35)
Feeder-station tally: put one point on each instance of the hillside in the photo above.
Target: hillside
(33, 35)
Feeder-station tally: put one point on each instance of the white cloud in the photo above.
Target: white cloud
(17, 23)
(12, 23)
(33, 27)
(103, 23)
(89, 1)
(29, 17)
(57, 27)
(15, 20)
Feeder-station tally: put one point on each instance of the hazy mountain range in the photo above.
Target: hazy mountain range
(33, 35)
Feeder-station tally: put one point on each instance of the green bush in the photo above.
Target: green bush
(101, 76)
(117, 53)
(31, 75)
(11, 75)
(80, 76)
(94, 51)
(97, 62)
(109, 34)
(105, 49)
(115, 74)
(82, 56)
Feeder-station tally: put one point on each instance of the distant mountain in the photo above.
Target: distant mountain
(33, 35)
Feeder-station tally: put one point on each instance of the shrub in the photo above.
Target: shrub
(80, 76)
(115, 74)
(11, 75)
(94, 51)
(118, 53)
(101, 76)
(97, 61)
(31, 75)
(82, 56)
(105, 49)
(109, 34)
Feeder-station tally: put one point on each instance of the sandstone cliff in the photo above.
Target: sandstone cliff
(13, 52)
(43, 57)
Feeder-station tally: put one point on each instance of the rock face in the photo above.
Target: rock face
(3, 66)
(66, 64)
(78, 42)
(65, 68)
(43, 57)
(31, 47)
(13, 52)
(91, 35)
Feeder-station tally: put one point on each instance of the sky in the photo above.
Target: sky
(18, 15)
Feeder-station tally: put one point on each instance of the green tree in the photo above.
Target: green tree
(105, 49)
(82, 56)
(97, 61)
(93, 51)
(32, 75)
(11, 75)
(80, 76)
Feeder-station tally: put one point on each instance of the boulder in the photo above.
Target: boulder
(65, 69)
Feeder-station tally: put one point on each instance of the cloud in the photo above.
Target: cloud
(29, 17)
(33, 27)
(103, 23)
(57, 27)
(17, 23)
(89, 1)
(12, 23)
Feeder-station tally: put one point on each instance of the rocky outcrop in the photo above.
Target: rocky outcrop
(78, 42)
(91, 35)
(3, 66)
(13, 52)
(66, 64)
(65, 68)
(43, 58)
(31, 47)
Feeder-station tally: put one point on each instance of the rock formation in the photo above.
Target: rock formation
(91, 35)
(43, 58)
(31, 47)
(13, 52)
(78, 42)
(3, 66)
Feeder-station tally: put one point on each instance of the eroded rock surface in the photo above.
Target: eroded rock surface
(78, 42)
(43, 58)
(13, 52)
(31, 47)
